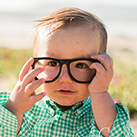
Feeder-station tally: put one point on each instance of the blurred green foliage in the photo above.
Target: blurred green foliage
(11, 62)
(123, 87)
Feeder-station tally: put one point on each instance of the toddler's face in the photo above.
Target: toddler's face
(71, 43)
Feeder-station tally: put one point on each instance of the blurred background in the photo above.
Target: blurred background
(120, 17)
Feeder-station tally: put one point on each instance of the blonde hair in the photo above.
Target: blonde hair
(71, 17)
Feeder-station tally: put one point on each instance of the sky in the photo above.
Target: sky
(18, 5)
(17, 16)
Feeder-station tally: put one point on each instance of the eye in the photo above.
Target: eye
(81, 65)
(53, 63)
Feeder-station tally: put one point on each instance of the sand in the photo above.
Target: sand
(123, 49)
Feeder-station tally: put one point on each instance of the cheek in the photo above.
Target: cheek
(83, 88)
(46, 87)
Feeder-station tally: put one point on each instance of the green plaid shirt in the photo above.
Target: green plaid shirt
(45, 119)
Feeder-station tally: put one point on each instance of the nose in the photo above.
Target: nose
(64, 76)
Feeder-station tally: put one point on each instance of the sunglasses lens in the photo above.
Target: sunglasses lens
(51, 69)
(81, 71)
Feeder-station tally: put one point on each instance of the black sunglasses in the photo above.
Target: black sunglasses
(78, 69)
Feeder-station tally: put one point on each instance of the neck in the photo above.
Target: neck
(64, 107)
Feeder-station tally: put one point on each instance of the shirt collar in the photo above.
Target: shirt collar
(78, 109)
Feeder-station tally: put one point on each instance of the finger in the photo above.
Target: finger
(36, 98)
(30, 88)
(111, 62)
(25, 68)
(105, 60)
(109, 59)
(98, 67)
(29, 77)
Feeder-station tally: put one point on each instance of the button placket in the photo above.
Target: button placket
(51, 111)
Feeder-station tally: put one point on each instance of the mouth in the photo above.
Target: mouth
(65, 92)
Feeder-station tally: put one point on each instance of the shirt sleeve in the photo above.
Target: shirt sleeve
(8, 121)
(121, 125)
(120, 128)
(28, 123)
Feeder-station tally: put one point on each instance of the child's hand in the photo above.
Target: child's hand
(104, 73)
(23, 96)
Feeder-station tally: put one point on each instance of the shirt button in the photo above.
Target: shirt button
(78, 111)
(57, 117)
(51, 111)
(64, 115)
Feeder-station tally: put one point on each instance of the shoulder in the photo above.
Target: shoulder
(4, 96)
(122, 111)
(121, 123)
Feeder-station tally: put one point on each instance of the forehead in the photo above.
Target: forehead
(71, 42)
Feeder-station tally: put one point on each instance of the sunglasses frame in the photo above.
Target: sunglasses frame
(67, 62)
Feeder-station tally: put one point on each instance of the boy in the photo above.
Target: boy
(74, 72)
